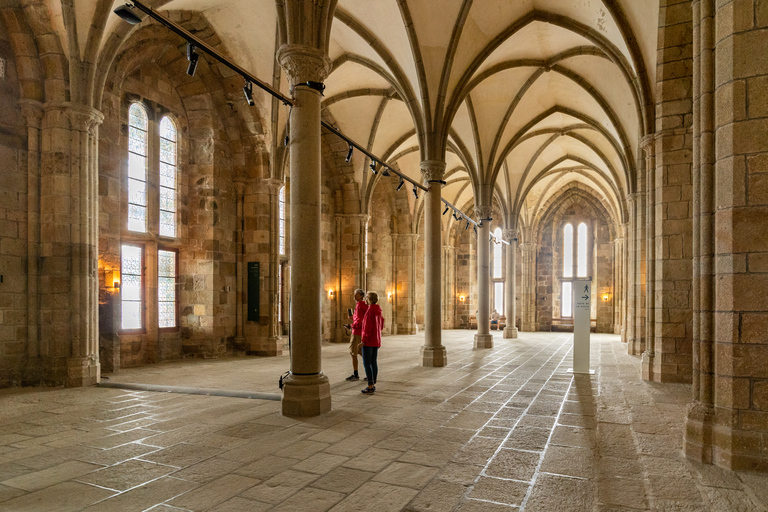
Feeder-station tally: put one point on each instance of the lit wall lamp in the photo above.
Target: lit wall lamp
(112, 279)
(389, 296)
(606, 297)
(461, 298)
(330, 294)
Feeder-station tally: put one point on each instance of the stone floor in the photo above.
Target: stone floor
(497, 430)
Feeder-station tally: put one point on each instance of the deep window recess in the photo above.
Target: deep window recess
(167, 304)
(137, 168)
(167, 178)
(132, 287)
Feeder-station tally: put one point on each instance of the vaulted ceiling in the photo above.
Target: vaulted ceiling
(525, 96)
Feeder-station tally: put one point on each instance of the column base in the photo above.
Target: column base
(697, 437)
(647, 366)
(83, 371)
(483, 341)
(635, 346)
(434, 357)
(305, 396)
(623, 335)
(510, 333)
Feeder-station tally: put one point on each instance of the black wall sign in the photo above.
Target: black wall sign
(253, 291)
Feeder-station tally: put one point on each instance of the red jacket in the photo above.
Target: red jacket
(357, 318)
(373, 323)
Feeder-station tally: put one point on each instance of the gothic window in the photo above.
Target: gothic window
(167, 177)
(137, 168)
(132, 287)
(281, 217)
(582, 252)
(167, 304)
(497, 272)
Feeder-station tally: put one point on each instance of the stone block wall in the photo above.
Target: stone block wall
(463, 279)
(15, 353)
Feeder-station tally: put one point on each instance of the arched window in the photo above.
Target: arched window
(568, 251)
(582, 251)
(497, 272)
(131, 288)
(167, 177)
(137, 168)
(281, 219)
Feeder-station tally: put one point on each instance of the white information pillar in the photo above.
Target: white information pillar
(582, 307)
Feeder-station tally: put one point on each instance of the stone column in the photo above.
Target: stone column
(618, 285)
(483, 338)
(395, 295)
(433, 352)
(449, 287)
(647, 145)
(510, 292)
(239, 267)
(528, 318)
(306, 392)
(33, 112)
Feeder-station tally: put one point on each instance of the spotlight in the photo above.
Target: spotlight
(415, 193)
(248, 91)
(446, 210)
(400, 185)
(475, 229)
(192, 58)
(456, 215)
(349, 154)
(385, 171)
(373, 167)
(127, 14)
(467, 226)
(286, 140)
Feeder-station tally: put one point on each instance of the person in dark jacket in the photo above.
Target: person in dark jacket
(373, 323)
(357, 330)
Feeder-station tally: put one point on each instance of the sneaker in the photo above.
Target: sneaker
(369, 391)
(353, 377)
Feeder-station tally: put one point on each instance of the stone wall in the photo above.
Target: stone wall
(15, 350)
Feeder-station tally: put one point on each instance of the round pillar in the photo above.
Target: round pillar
(433, 352)
(483, 338)
(510, 331)
(306, 392)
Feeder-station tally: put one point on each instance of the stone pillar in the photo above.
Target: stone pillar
(510, 291)
(239, 267)
(647, 145)
(68, 244)
(449, 287)
(618, 284)
(528, 319)
(411, 240)
(433, 352)
(483, 338)
(306, 392)
(33, 113)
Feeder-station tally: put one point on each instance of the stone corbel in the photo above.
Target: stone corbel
(510, 235)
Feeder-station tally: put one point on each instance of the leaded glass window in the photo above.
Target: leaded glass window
(137, 168)
(497, 259)
(281, 219)
(167, 177)
(166, 289)
(132, 270)
(567, 300)
(582, 252)
(568, 251)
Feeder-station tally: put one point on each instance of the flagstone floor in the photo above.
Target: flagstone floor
(499, 429)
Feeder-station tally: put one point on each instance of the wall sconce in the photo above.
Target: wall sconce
(461, 298)
(112, 279)
(389, 296)
(330, 294)
(606, 297)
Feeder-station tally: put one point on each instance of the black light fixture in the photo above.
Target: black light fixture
(127, 14)
(402, 182)
(467, 226)
(349, 153)
(286, 140)
(475, 229)
(373, 167)
(192, 58)
(415, 192)
(446, 210)
(456, 215)
(248, 91)
(385, 171)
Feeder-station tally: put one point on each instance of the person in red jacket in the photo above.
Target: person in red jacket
(357, 330)
(373, 323)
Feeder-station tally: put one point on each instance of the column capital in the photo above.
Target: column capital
(303, 63)
(273, 185)
(81, 117)
(648, 143)
(510, 235)
(483, 213)
(32, 111)
(432, 171)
